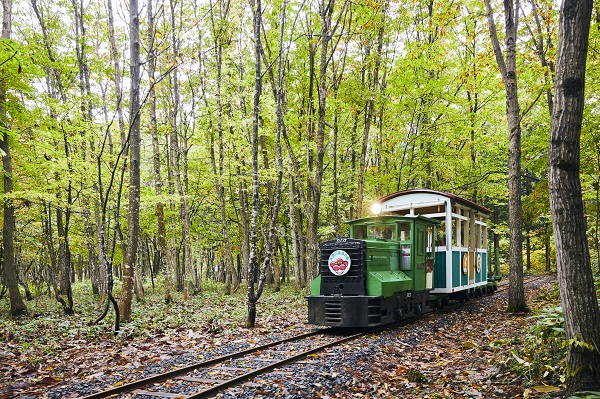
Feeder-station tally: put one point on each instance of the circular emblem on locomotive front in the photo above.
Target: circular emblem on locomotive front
(339, 262)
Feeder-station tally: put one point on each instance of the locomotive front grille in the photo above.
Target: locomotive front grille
(353, 281)
(333, 312)
(374, 310)
(354, 248)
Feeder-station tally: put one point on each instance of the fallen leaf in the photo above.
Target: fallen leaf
(545, 388)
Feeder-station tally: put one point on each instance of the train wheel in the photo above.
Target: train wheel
(398, 314)
(442, 303)
(418, 308)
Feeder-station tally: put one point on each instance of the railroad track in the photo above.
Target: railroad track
(207, 378)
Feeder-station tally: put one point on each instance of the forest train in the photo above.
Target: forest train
(422, 249)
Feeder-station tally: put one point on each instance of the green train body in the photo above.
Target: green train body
(396, 265)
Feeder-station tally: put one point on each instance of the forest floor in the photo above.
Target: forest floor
(471, 352)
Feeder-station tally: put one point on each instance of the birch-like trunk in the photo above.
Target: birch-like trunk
(133, 211)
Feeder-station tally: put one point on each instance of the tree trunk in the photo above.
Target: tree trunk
(252, 258)
(575, 277)
(369, 111)
(254, 293)
(64, 259)
(231, 278)
(86, 111)
(547, 251)
(105, 263)
(133, 211)
(163, 250)
(184, 210)
(138, 280)
(527, 250)
(312, 210)
(117, 73)
(17, 306)
(299, 271)
(508, 69)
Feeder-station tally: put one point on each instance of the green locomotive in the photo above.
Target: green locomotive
(425, 248)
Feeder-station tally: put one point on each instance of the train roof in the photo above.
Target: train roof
(453, 197)
(391, 218)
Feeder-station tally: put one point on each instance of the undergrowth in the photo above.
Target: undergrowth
(46, 328)
(542, 356)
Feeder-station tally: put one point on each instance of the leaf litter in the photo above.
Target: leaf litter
(450, 355)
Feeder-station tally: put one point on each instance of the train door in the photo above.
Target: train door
(405, 239)
(420, 254)
(472, 246)
(430, 254)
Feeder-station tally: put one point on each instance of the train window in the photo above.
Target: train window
(382, 231)
(440, 239)
(404, 231)
(359, 232)
(405, 257)
(431, 232)
(430, 236)
(454, 233)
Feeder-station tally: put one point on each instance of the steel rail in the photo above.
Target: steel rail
(237, 380)
(186, 369)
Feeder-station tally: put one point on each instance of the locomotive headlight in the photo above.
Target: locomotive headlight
(376, 208)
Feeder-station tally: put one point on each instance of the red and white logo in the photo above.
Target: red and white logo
(339, 262)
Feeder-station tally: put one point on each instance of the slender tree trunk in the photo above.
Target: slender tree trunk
(64, 258)
(105, 263)
(252, 259)
(86, 111)
(138, 279)
(117, 73)
(547, 242)
(337, 77)
(133, 212)
(254, 293)
(575, 277)
(56, 91)
(542, 51)
(299, 272)
(369, 111)
(17, 306)
(231, 278)
(163, 251)
(527, 250)
(508, 69)
(312, 237)
(184, 210)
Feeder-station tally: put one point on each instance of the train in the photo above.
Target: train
(421, 249)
